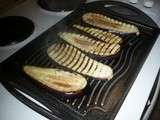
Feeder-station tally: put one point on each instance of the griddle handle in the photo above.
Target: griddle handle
(31, 104)
(122, 10)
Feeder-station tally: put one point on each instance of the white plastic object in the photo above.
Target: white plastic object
(133, 1)
(148, 3)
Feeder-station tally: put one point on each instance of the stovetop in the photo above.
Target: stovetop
(15, 29)
(39, 17)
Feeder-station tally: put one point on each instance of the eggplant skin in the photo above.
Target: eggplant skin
(56, 79)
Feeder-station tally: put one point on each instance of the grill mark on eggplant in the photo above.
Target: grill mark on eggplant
(67, 57)
(71, 58)
(99, 51)
(102, 49)
(100, 70)
(92, 46)
(75, 60)
(56, 53)
(60, 51)
(76, 67)
(114, 47)
(99, 36)
(81, 67)
(95, 69)
(91, 66)
(56, 50)
(104, 22)
(105, 48)
(88, 65)
(97, 47)
(80, 62)
(105, 36)
(108, 48)
(63, 58)
(83, 70)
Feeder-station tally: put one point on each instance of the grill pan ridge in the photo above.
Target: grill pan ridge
(102, 99)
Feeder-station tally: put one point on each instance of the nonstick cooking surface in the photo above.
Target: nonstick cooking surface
(102, 98)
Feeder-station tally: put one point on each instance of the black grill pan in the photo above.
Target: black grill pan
(103, 98)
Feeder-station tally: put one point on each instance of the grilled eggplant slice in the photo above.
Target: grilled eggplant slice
(90, 45)
(78, 61)
(104, 22)
(100, 34)
(57, 79)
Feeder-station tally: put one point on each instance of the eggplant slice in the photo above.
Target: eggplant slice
(56, 79)
(104, 22)
(100, 34)
(72, 58)
(90, 45)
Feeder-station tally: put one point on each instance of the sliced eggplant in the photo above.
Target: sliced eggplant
(104, 22)
(89, 45)
(100, 34)
(83, 66)
(79, 62)
(56, 79)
